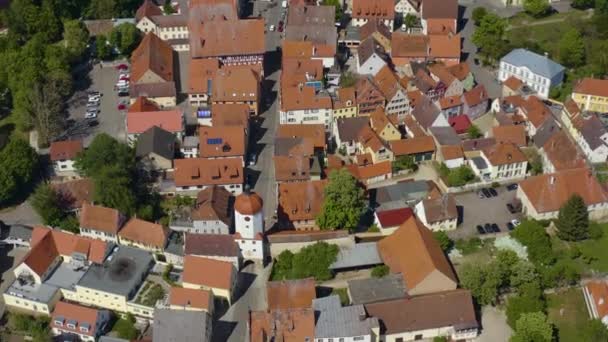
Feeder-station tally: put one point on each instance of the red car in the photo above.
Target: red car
(122, 106)
(124, 78)
(122, 67)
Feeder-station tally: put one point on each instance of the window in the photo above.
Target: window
(247, 218)
(418, 337)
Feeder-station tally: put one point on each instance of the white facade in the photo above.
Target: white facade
(500, 172)
(328, 62)
(235, 189)
(399, 104)
(371, 66)
(64, 165)
(97, 234)
(538, 83)
(599, 154)
(321, 116)
(437, 225)
(358, 22)
(405, 7)
(83, 333)
(251, 230)
(429, 334)
(596, 211)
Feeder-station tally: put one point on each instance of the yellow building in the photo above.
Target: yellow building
(383, 126)
(344, 105)
(217, 276)
(591, 95)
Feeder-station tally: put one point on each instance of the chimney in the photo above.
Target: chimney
(552, 180)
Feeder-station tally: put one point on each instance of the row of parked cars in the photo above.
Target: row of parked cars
(490, 228)
(122, 85)
(93, 103)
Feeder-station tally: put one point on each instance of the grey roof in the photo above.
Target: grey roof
(336, 321)
(478, 144)
(351, 33)
(371, 290)
(317, 34)
(176, 244)
(426, 112)
(18, 231)
(122, 272)
(538, 64)
(170, 20)
(156, 140)
(480, 163)
(445, 135)
(361, 254)
(180, 326)
(283, 145)
(400, 195)
(190, 141)
(544, 132)
(349, 128)
(42, 293)
(65, 277)
(367, 48)
(592, 130)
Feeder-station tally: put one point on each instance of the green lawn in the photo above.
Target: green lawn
(594, 250)
(568, 312)
(523, 18)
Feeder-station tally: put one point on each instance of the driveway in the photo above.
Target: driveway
(483, 75)
(232, 326)
(476, 211)
(494, 327)
(102, 78)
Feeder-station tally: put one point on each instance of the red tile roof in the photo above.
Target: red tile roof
(100, 218)
(504, 153)
(65, 150)
(290, 294)
(460, 123)
(301, 200)
(515, 134)
(142, 104)
(190, 298)
(208, 272)
(416, 145)
(316, 133)
(248, 203)
(227, 38)
(169, 120)
(83, 316)
(373, 9)
(202, 171)
(222, 141)
(155, 55)
(592, 86)
(394, 217)
(146, 233)
(476, 96)
(598, 289)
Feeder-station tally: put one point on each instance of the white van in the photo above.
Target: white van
(284, 4)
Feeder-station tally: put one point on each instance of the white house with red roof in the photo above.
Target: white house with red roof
(63, 154)
(249, 225)
(170, 120)
(389, 220)
(70, 320)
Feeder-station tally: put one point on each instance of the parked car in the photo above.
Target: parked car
(90, 115)
(510, 226)
(515, 222)
(493, 192)
(122, 83)
(122, 106)
(94, 93)
(512, 187)
(253, 158)
(495, 228)
(122, 67)
(481, 194)
(124, 77)
(486, 193)
(480, 230)
(94, 98)
(487, 227)
(271, 28)
(92, 104)
(123, 93)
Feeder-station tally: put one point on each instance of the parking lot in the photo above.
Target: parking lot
(110, 120)
(479, 211)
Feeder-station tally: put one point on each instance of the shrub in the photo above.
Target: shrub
(444, 241)
(380, 271)
(310, 261)
(469, 246)
(373, 229)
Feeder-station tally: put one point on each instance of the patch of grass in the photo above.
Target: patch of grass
(524, 18)
(568, 312)
(343, 295)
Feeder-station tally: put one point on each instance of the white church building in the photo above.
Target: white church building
(249, 225)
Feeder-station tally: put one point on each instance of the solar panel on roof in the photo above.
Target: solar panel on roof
(214, 141)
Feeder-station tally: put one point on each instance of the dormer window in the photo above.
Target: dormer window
(71, 326)
(59, 321)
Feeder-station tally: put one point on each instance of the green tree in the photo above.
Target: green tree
(582, 4)
(404, 163)
(125, 37)
(343, 203)
(104, 151)
(114, 189)
(488, 36)
(75, 38)
(125, 328)
(46, 201)
(573, 220)
(572, 48)
(45, 111)
(478, 14)
(310, 261)
(460, 176)
(483, 280)
(474, 132)
(522, 272)
(380, 271)
(444, 240)
(410, 21)
(18, 168)
(168, 8)
(536, 8)
(530, 300)
(348, 79)
(102, 48)
(533, 327)
(535, 238)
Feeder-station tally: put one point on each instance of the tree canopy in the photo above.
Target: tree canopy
(572, 48)
(478, 14)
(537, 8)
(343, 203)
(488, 37)
(532, 235)
(529, 300)
(125, 37)
(310, 261)
(533, 327)
(19, 167)
(573, 220)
